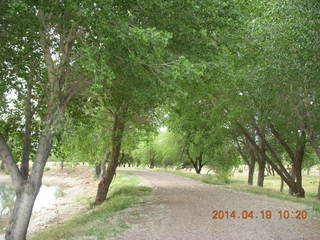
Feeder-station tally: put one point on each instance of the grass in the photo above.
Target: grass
(270, 189)
(100, 221)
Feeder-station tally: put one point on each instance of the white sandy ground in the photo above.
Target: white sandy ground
(180, 209)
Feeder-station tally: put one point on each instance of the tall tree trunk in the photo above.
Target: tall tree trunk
(297, 163)
(104, 184)
(261, 159)
(319, 191)
(19, 222)
(251, 173)
(250, 159)
(262, 167)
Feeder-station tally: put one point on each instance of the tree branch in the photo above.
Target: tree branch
(281, 141)
(7, 158)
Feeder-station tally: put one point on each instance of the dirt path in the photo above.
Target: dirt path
(181, 209)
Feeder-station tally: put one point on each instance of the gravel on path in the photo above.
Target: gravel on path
(181, 209)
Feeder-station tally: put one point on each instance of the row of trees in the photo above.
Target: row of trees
(263, 92)
(261, 95)
(92, 80)
(65, 63)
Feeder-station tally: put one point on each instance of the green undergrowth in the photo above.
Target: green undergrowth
(101, 222)
(271, 189)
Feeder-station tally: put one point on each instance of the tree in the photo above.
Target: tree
(50, 32)
(127, 66)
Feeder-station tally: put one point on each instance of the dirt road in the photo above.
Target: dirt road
(181, 209)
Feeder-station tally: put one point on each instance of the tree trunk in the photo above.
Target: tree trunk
(19, 222)
(297, 163)
(261, 159)
(262, 167)
(319, 191)
(97, 169)
(104, 184)
(250, 159)
(104, 162)
(200, 162)
(251, 173)
(196, 166)
(27, 191)
(62, 164)
(292, 188)
(282, 185)
(151, 164)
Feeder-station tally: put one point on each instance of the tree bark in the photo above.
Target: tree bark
(104, 184)
(282, 185)
(19, 222)
(262, 167)
(318, 191)
(292, 173)
(104, 162)
(251, 173)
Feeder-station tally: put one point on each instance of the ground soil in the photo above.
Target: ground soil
(181, 208)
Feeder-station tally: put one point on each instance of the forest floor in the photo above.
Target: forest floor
(181, 208)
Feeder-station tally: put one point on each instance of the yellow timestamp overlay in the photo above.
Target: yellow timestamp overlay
(263, 214)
